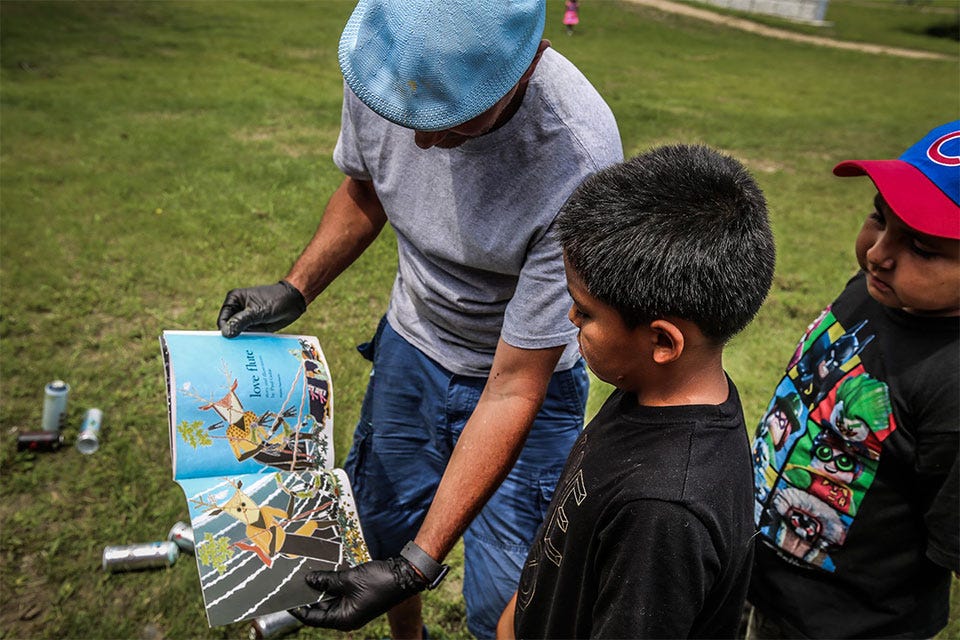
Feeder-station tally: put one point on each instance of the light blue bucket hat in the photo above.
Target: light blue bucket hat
(434, 64)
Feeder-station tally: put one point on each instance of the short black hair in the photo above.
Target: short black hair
(680, 230)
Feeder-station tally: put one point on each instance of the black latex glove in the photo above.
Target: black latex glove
(353, 597)
(266, 308)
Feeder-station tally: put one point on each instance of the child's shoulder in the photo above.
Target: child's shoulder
(663, 437)
(917, 354)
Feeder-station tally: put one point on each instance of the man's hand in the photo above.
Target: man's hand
(355, 596)
(266, 308)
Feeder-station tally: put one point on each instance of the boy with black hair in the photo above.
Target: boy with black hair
(857, 507)
(648, 534)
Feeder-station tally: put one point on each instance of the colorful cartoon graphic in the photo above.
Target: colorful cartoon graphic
(817, 447)
(806, 527)
(860, 414)
(819, 368)
(812, 328)
(783, 419)
(781, 425)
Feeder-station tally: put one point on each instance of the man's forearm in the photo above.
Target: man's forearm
(351, 221)
(489, 445)
(481, 460)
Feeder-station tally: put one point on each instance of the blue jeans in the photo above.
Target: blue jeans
(412, 415)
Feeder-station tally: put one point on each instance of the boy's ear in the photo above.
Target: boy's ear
(668, 341)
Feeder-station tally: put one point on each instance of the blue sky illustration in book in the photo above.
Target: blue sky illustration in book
(249, 402)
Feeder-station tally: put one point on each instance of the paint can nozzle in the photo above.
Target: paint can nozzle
(182, 535)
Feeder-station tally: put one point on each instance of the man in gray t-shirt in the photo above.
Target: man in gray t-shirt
(466, 141)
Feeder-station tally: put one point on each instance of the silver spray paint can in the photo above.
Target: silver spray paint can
(182, 535)
(130, 557)
(273, 625)
(89, 439)
(55, 405)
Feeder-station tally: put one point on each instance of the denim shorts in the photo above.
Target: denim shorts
(413, 413)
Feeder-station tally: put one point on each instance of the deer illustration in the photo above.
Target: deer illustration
(267, 438)
(267, 528)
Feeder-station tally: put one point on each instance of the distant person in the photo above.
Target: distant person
(571, 15)
(857, 503)
(649, 533)
(466, 132)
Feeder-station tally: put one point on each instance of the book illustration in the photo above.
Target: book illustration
(269, 401)
(257, 536)
(251, 423)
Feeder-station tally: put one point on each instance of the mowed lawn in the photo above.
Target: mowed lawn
(154, 155)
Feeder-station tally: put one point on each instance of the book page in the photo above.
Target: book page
(256, 536)
(258, 402)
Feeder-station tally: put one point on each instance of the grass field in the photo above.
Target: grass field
(155, 154)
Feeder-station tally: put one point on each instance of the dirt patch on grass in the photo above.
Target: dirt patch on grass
(27, 594)
(783, 34)
(293, 142)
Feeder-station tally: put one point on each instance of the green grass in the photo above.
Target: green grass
(155, 154)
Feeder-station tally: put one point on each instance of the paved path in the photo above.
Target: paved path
(783, 34)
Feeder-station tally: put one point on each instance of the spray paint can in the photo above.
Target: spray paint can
(273, 625)
(182, 535)
(55, 405)
(39, 441)
(130, 557)
(89, 439)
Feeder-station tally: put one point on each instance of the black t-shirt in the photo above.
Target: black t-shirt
(648, 533)
(856, 476)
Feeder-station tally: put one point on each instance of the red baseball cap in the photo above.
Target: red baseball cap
(923, 185)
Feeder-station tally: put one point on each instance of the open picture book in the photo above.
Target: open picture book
(251, 441)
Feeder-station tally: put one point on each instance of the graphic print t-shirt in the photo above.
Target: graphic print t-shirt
(855, 474)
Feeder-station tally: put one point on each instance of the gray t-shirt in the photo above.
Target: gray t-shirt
(478, 259)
